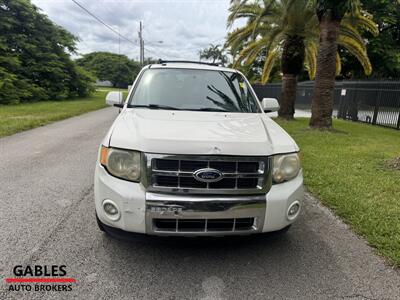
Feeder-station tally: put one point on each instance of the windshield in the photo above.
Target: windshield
(190, 89)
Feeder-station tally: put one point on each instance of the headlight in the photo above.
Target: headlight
(286, 167)
(120, 163)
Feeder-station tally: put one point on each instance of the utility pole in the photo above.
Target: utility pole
(142, 51)
(141, 42)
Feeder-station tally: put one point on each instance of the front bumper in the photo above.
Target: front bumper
(140, 210)
(204, 215)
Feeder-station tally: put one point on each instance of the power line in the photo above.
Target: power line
(148, 50)
(201, 47)
(124, 37)
(153, 43)
(153, 51)
(102, 22)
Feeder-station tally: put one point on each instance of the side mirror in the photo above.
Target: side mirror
(270, 104)
(115, 99)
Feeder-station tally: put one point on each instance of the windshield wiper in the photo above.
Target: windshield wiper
(209, 109)
(155, 106)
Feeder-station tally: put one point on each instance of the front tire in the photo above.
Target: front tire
(100, 224)
(279, 233)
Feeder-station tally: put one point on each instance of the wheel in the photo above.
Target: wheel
(279, 233)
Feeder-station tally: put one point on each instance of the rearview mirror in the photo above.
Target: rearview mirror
(115, 99)
(270, 104)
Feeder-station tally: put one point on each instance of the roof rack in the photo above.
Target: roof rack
(160, 61)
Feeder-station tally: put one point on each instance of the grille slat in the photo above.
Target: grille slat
(224, 166)
(244, 223)
(204, 225)
(248, 167)
(226, 183)
(167, 164)
(246, 183)
(192, 165)
(170, 181)
(236, 174)
(190, 182)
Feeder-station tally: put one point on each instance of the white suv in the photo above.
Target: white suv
(192, 153)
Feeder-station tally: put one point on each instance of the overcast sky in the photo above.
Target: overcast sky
(184, 26)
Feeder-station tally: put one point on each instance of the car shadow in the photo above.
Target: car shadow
(229, 266)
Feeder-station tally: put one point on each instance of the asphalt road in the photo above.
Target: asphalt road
(46, 215)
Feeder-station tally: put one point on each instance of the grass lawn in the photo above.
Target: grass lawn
(347, 169)
(16, 118)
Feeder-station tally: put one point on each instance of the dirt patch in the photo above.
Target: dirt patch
(394, 163)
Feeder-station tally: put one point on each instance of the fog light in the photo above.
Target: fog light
(293, 210)
(111, 210)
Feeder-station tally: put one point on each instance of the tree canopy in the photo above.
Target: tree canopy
(116, 68)
(35, 61)
(383, 49)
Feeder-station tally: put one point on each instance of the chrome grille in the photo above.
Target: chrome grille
(175, 173)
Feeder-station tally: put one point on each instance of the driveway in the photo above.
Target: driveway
(47, 218)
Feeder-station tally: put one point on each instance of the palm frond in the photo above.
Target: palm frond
(249, 50)
(367, 21)
(242, 10)
(338, 64)
(363, 20)
(238, 37)
(311, 59)
(359, 52)
(268, 65)
(348, 31)
(257, 48)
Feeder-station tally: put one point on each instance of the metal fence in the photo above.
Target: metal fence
(374, 102)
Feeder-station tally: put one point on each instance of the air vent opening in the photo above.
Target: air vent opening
(204, 225)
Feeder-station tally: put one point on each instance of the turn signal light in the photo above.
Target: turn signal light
(103, 155)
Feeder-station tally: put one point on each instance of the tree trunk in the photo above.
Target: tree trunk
(288, 98)
(291, 63)
(322, 101)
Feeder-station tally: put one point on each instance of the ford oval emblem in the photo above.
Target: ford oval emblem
(208, 175)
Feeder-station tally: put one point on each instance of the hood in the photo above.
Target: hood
(189, 132)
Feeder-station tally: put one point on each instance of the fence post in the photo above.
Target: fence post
(398, 121)
(343, 106)
(353, 107)
(376, 109)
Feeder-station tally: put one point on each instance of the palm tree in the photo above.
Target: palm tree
(215, 53)
(331, 16)
(280, 27)
(288, 29)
